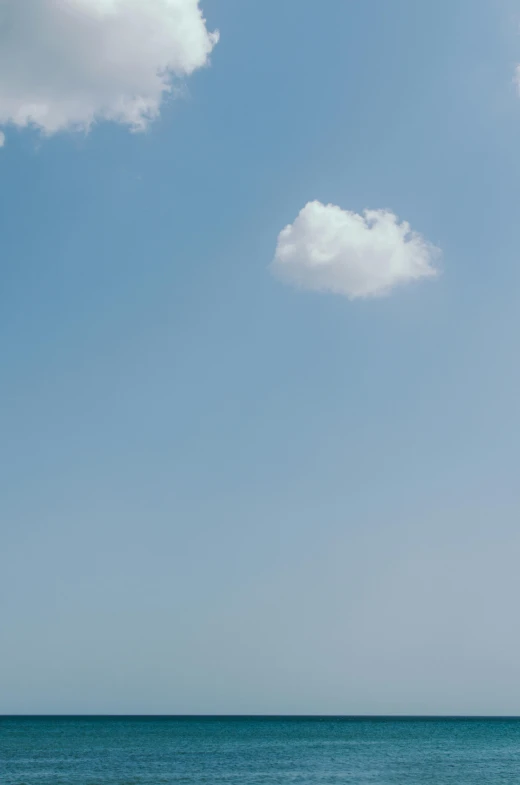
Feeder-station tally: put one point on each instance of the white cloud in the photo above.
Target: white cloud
(335, 250)
(516, 78)
(65, 64)
(2, 139)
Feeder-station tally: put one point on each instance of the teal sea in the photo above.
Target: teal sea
(253, 751)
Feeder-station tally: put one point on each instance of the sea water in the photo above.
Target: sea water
(254, 751)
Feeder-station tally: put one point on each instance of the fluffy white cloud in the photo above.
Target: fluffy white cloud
(330, 249)
(66, 63)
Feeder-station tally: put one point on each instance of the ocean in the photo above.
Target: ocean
(254, 751)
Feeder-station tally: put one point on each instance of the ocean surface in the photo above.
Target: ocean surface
(251, 751)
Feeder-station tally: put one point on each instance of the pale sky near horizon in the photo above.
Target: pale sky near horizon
(259, 448)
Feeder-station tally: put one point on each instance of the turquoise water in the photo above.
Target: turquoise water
(243, 751)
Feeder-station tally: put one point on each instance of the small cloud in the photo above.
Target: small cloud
(335, 250)
(2, 139)
(516, 78)
(65, 65)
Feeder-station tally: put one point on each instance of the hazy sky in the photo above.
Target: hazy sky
(248, 468)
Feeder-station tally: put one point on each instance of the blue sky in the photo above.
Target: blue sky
(223, 493)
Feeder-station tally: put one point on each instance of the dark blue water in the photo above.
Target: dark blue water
(243, 751)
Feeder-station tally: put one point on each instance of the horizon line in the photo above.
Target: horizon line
(266, 716)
